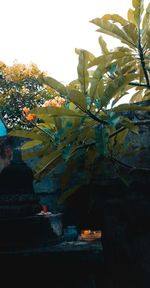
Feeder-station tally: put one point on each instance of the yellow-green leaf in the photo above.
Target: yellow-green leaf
(115, 18)
(112, 30)
(83, 75)
(46, 162)
(115, 86)
(145, 28)
(89, 55)
(97, 83)
(131, 16)
(52, 112)
(58, 86)
(27, 134)
(139, 8)
(103, 46)
(132, 33)
(136, 97)
(78, 98)
(30, 144)
(130, 107)
(104, 60)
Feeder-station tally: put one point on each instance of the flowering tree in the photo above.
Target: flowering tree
(19, 87)
(88, 128)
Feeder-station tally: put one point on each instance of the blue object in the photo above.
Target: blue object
(70, 233)
(3, 130)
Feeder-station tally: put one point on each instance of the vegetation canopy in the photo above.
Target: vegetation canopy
(85, 126)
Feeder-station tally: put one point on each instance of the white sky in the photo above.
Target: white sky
(47, 32)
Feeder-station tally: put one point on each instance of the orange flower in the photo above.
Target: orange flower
(26, 110)
(47, 103)
(31, 117)
(55, 102)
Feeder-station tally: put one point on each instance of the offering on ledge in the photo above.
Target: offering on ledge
(89, 235)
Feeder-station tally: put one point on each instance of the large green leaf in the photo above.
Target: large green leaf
(27, 134)
(115, 18)
(89, 55)
(146, 95)
(97, 83)
(131, 16)
(101, 139)
(78, 98)
(43, 149)
(52, 112)
(112, 30)
(130, 107)
(58, 86)
(114, 87)
(138, 10)
(83, 75)
(103, 46)
(145, 28)
(136, 97)
(132, 32)
(97, 89)
(129, 66)
(104, 60)
(30, 144)
(45, 164)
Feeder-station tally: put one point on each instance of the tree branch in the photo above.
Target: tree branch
(129, 166)
(141, 54)
(138, 84)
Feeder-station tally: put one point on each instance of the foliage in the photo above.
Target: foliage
(91, 129)
(19, 87)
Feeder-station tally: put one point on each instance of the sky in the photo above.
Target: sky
(47, 32)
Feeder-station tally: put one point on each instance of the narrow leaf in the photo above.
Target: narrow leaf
(103, 45)
(83, 75)
(58, 86)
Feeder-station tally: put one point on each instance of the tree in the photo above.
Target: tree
(20, 87)
(90, 131)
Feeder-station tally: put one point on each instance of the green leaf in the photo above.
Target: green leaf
(61, 112)
(83, 75)
(103, 46)
(89, 55)
(130, 107)
(97, 83)
(27, 134)
(131, 16)
(115, 18)
(58, 86)
(139, 8)
(104, 60)
(30, 144)
(112, 30)
(132, 32)
(45, 164)
(101, 137)
(126, 122)
(113, 119)
(136, 97)
(114, 87)
(78, 98)
(37, 153)
(145, 28)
